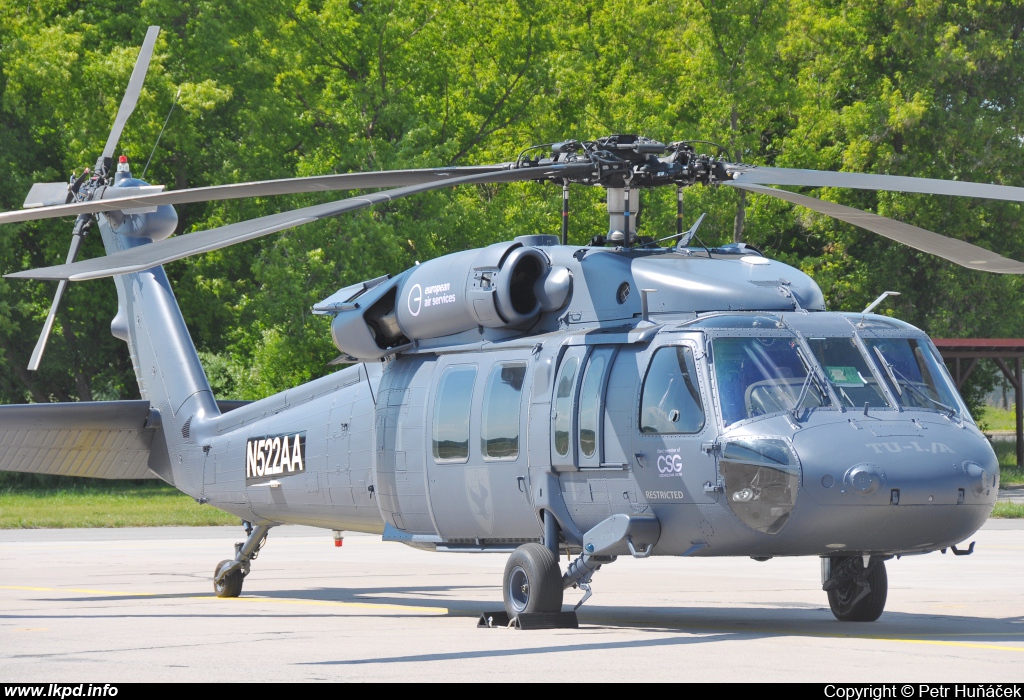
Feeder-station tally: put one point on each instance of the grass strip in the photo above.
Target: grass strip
(28, 501)
(1008, 509)
(1006, 453)
(995, 418)
(113, 505)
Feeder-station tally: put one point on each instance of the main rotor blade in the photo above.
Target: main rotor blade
(752, 174)
(44, 336)
(956, 251)
(264, 188)
(153, 254)
(131, 95)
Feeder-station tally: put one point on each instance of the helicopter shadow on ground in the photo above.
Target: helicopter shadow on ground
(678, 626)
(422, 597)
(786, 619)
(456, 599)
(675, 640)
(797, 618)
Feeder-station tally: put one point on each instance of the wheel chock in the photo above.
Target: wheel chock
(547, 621)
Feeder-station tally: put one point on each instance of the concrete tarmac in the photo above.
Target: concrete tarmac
(104, 606)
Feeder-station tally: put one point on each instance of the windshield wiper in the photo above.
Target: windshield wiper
(893, 372)
(924, 395)
(800, 398)
(806, 385)
(889, 370)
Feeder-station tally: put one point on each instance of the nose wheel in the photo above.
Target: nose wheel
(857, 593)
(532, 581)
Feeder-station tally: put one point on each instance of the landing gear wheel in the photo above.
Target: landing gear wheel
(532, 581)
(849, 605)
(229, 586)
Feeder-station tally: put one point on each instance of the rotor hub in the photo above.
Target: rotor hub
(630, 161)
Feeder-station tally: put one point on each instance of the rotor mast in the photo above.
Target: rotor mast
(622, 228)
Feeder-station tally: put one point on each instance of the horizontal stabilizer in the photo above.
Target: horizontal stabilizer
(46, 194)
(99, 439)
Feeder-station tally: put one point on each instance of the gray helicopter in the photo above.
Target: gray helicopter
(623, 398)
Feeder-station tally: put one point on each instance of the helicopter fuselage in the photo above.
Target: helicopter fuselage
(536, 398)
(743, 431)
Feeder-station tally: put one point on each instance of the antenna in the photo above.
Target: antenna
(565, 211)
(160, 135)
(879, 300)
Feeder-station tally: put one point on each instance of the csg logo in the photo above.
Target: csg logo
(670, 465)
(275, 455)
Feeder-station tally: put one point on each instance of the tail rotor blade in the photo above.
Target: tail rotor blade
(44, 336)
(131, 95)
(37, 353)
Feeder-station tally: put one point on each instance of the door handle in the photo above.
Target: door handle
(710, 488)
(521, 482)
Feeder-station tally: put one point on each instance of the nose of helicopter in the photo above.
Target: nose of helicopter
(935, 479)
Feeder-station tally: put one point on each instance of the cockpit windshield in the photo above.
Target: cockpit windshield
(764, 374)
(848, 372)
(914, 373)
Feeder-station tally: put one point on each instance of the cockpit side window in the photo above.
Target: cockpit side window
(670, 402)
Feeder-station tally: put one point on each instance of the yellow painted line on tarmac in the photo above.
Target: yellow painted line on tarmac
(941, 643)
(910, 640)
(326, 603)
(251, 599)
(85, 591)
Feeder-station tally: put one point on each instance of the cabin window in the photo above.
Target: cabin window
(499, 432)
(563, 405)
(670, 403)
(590, 404)
(452, 408)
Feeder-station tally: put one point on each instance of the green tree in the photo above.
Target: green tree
(301, 87)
